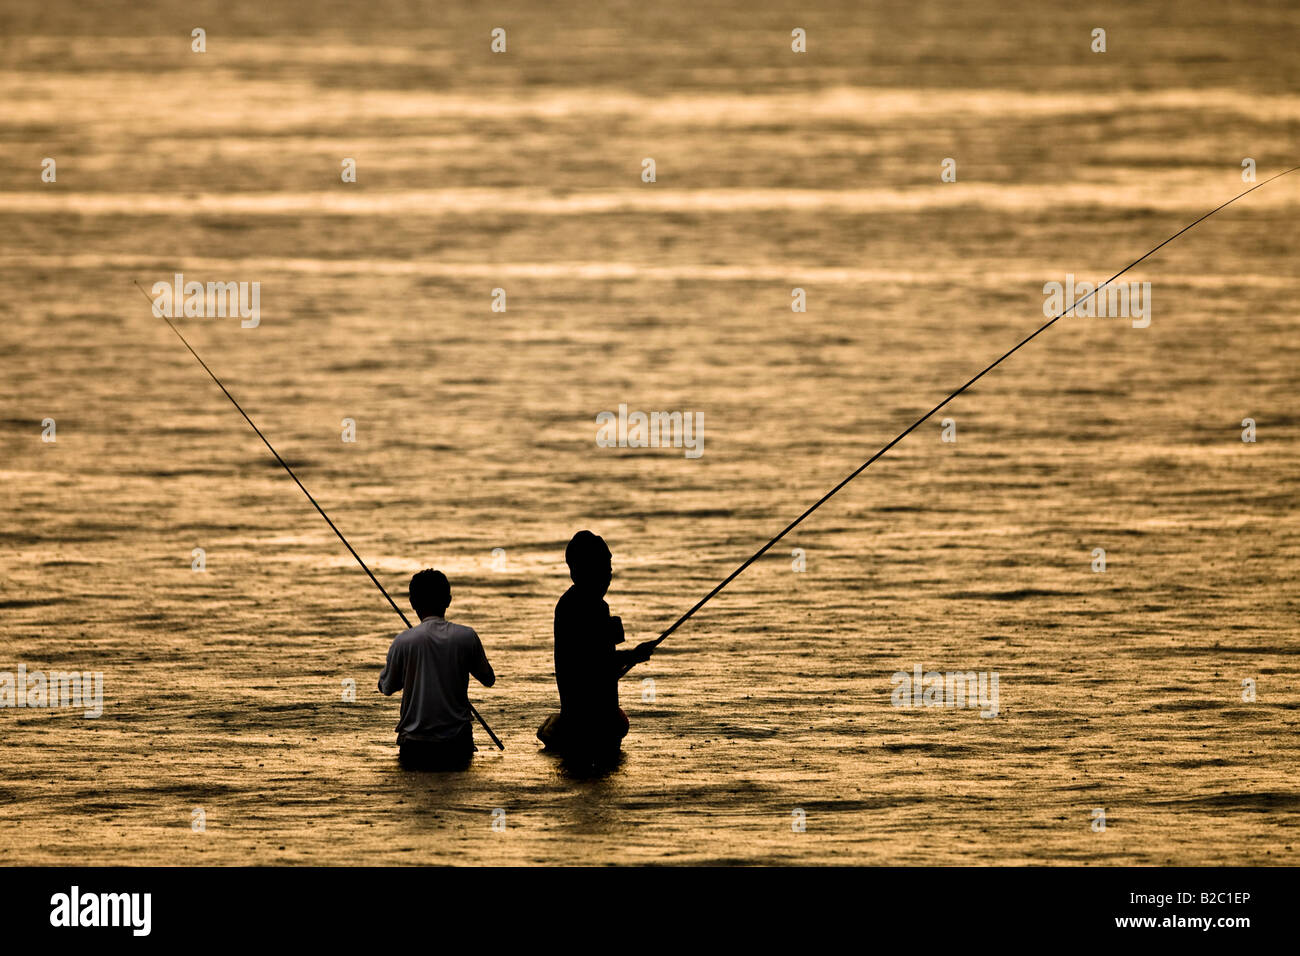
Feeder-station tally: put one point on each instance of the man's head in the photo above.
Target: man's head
(590, 563)
(430, 593)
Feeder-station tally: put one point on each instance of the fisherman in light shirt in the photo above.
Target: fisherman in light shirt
(430, 664)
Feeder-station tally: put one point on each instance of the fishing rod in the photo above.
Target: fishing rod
(912, 427)
(285, 465)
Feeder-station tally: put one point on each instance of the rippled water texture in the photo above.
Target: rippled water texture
(1120, 690)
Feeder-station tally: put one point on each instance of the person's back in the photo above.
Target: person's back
(430, 664)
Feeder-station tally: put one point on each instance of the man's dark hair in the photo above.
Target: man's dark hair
(584, 550)
(430, 592)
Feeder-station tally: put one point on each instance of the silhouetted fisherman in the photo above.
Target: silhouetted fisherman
(590, 724)
(430, 664)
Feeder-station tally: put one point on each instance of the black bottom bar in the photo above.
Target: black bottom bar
(333, 907)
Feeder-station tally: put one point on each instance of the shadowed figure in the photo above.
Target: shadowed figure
(430, 664)
(590, 724)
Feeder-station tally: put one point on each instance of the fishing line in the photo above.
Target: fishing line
(285, 465)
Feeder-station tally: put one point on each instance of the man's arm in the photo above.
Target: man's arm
(623, 660)
(626, 660)
(479, 665)
(391, 677)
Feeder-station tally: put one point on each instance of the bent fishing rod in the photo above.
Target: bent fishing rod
(920, 421)
(285, 465)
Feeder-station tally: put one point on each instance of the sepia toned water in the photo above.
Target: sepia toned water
(1119, 691)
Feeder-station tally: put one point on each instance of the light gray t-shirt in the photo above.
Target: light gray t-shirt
(430, 664)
